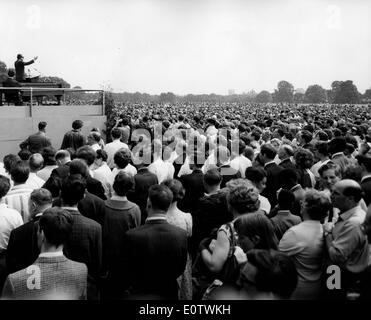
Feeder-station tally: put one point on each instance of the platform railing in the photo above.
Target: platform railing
(64, 90)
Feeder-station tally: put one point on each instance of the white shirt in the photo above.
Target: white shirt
(241, 163)
(317, 166)
(163, 170)
(264, 204)
(9, 220)
(185, 168)
(46, 172)
(103, 174)
(129, 169)
(34, 182)
(111, 148)
(96, 146)
(17, 199)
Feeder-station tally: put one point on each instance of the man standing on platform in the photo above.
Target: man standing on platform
(19, 67)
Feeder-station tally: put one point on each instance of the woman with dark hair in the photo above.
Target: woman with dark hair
(304, 160)
(267, 275)
(182, 220)
(304, 243)
(249, 232)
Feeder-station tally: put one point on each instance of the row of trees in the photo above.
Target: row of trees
(341, 92)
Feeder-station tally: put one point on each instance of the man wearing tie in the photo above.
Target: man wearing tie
(19, 67)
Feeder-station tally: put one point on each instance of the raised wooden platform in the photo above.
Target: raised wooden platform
(18, 122)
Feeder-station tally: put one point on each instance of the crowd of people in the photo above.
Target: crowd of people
(192, 201)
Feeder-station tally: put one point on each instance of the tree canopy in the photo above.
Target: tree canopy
(315, 94)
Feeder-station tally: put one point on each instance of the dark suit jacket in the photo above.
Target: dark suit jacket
(73, 139)
(287, 164)
(156, 255)
(273, 184)
(120, 216)
(22, 248)
(194, 189)
(95, 187)
(144, 179)
(366, 187)
(36, 142)
(85, 243)
(228, 173)
(212, 211)
(19, 69)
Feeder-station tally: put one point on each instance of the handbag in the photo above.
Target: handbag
(231, 270)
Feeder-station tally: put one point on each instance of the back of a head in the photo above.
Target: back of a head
(116, 133)
(365, 161)
(176, 188)
(337, 144)
(351, 189)
(36, 162)
(56, 224)
(122, 158)
(255, 175)
(20, 172)
(276, 272)
(322, 148)
(286, 199)
(48, 153)
(160, 197)
(77, 166)
(9, 161)
(316, 204)
(94, 136)
(87, 154)
(101, 154)
(73, 189)
(288, 177)
(259, 226)
(24, 154)
(77, 124)
(4, 186)
(62, 155)
(123, 183)
(41, 197)
(212, 177)
(11, 72)
(42, 125)
(268, 150)
(242, 196)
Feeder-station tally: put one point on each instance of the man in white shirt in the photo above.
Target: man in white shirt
(122, 161)
(18, 196)
(103, 172)
(112, 147)
(240, 162)
(35, 163)
(9, 218)
(163, 170)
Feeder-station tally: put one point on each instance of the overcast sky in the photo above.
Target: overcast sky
(191, 46)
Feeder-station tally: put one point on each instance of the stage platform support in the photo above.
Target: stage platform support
(18, 122)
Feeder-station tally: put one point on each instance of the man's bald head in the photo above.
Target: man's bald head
(36, 162)
(346, 194)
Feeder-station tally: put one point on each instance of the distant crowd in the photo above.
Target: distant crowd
(192, 201)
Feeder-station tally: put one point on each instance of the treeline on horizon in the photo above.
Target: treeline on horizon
(341, 92)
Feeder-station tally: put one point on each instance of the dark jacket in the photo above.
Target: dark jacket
(366, 187)
(144, 179)
(212, 211)
(228, 173)
(19, 69)
(273, 183)
(194, 189)
(287, 164)
(156, 255)
(22, 248)
(95, 187)
(35, 143)
(120, 216)
(73, 139)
